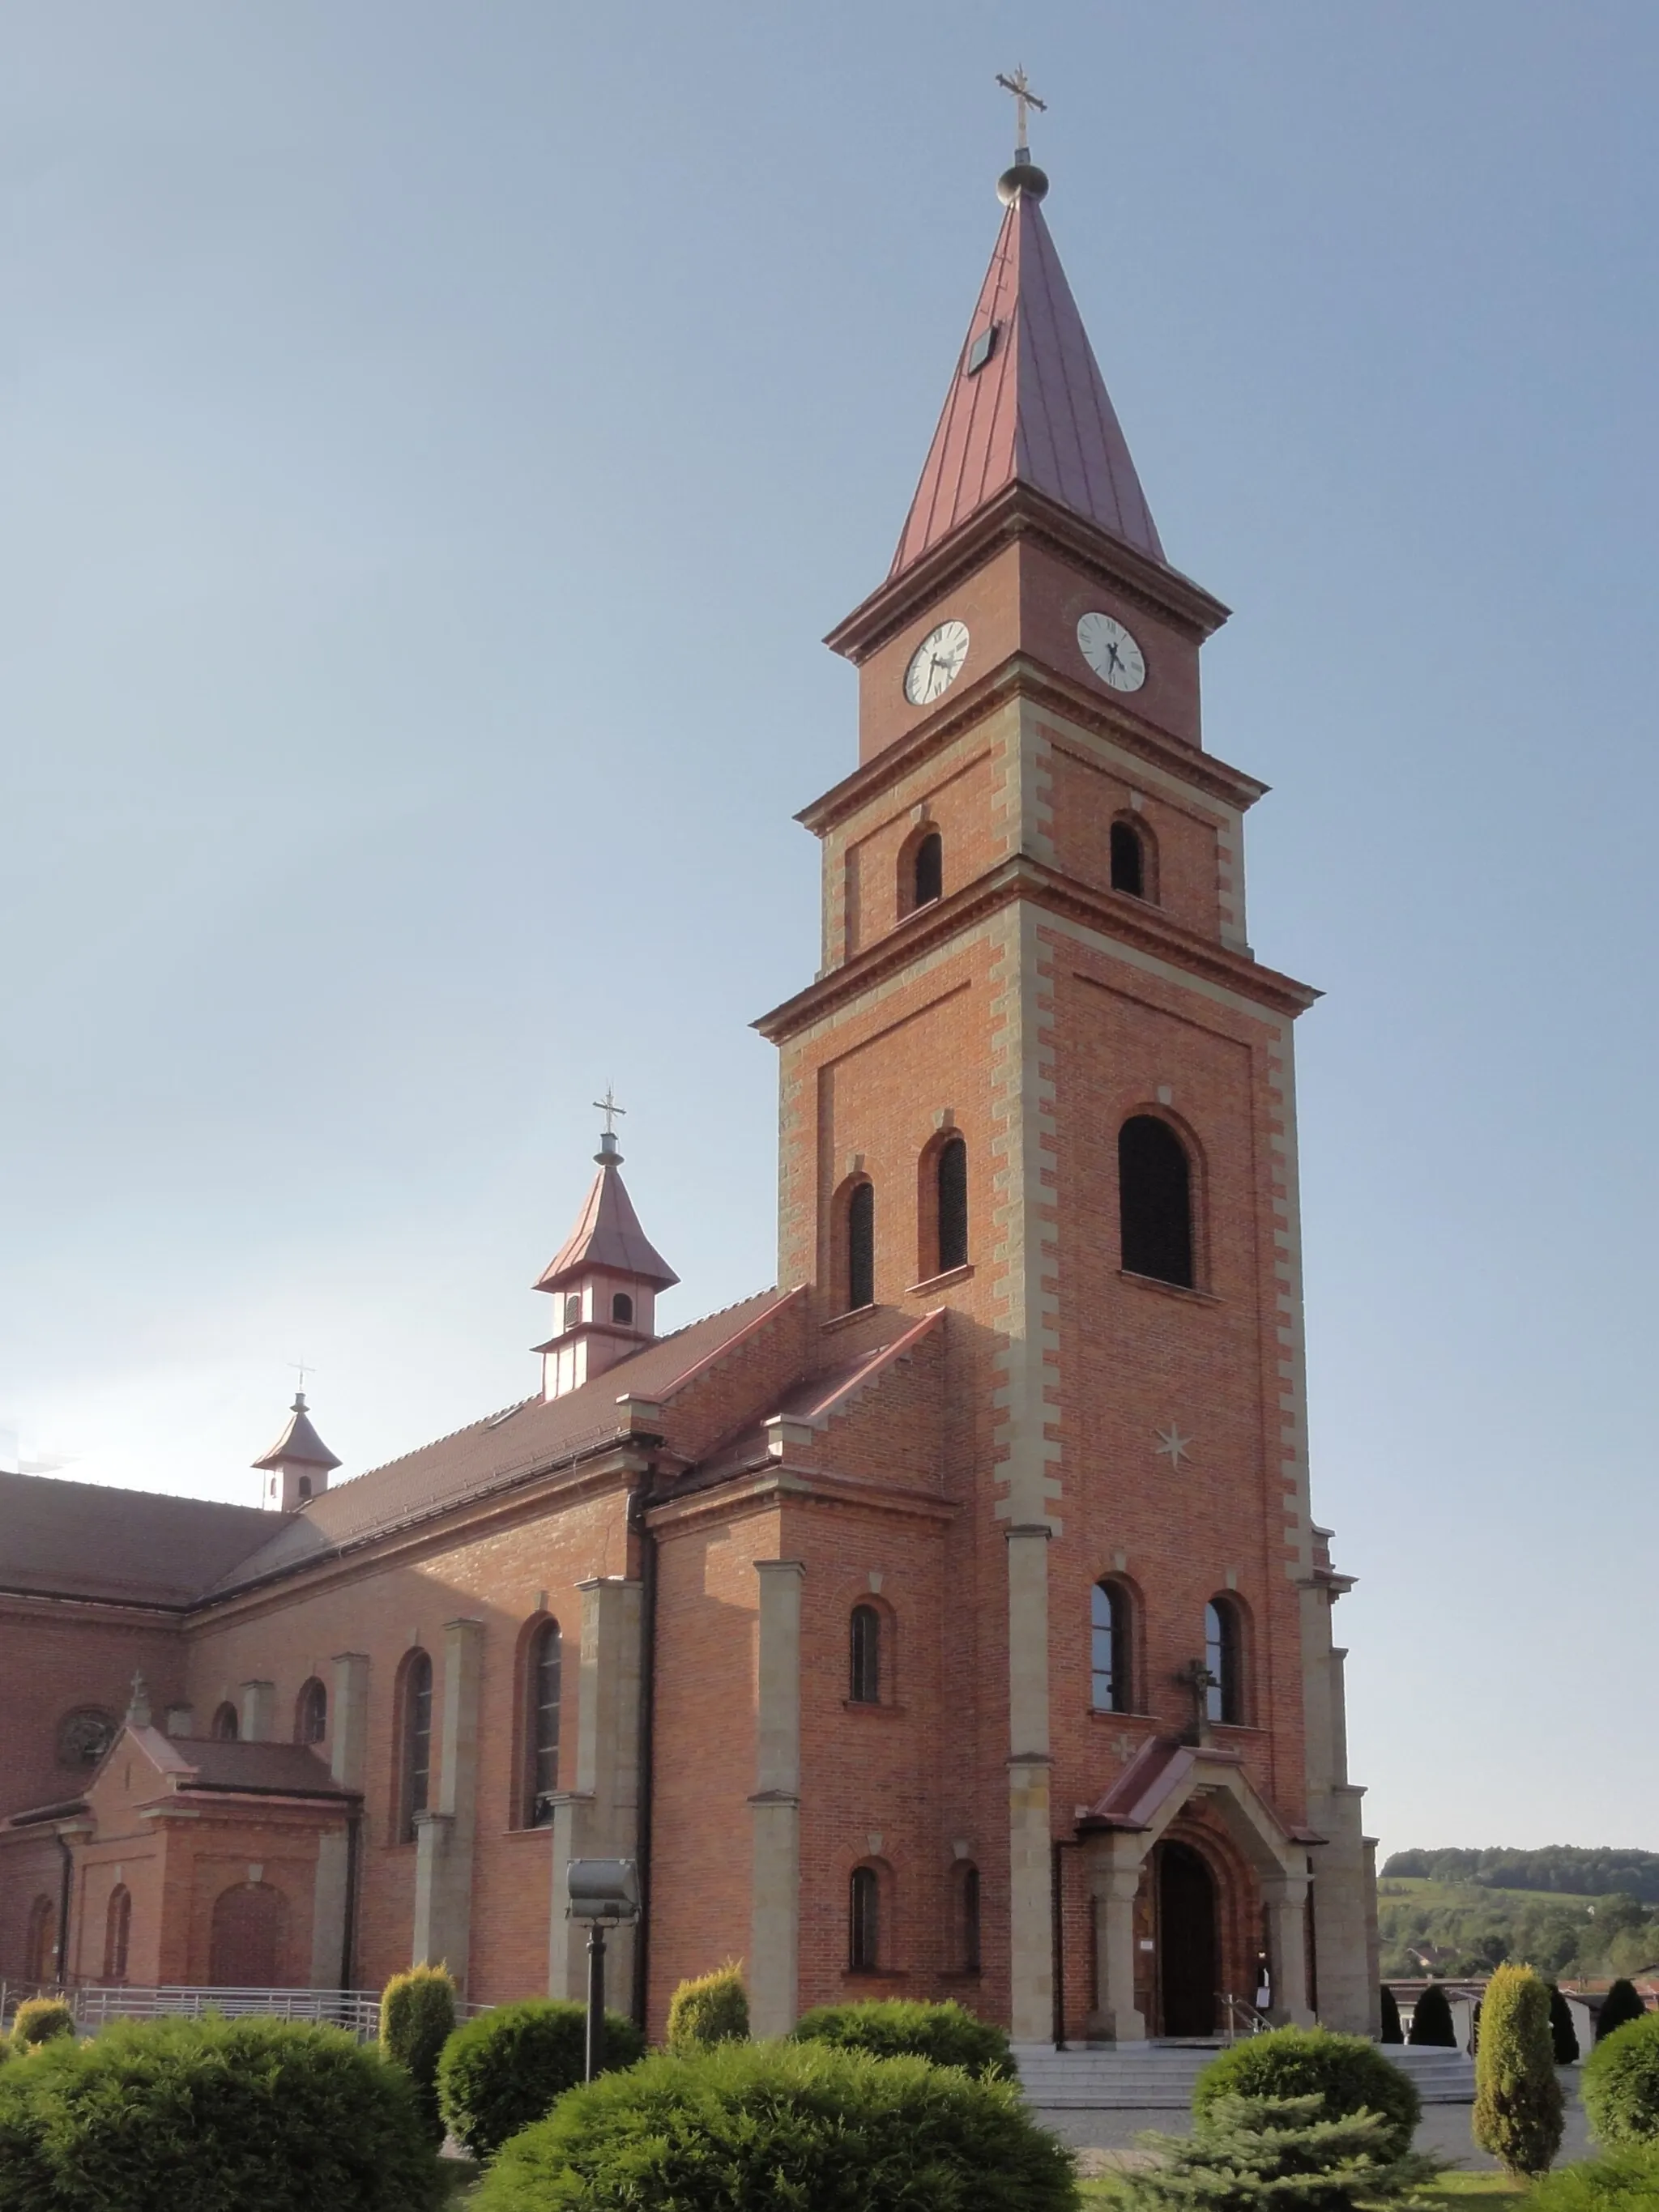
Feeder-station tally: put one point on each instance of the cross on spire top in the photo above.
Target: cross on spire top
(1025, 100)
(608, 1108)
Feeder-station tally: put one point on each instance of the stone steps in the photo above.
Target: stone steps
(1158, 2077)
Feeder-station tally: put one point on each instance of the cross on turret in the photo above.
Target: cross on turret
(1025, 100)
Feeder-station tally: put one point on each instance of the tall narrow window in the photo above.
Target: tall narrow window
(417, 1742)
(967, 1930)
(1223, 1699)
(545, 1684)
(1128, 860)
(304, 1487)
(864, 1921)
(224, 1728)
(622, 1309)
(311, 1713)
(865, 1687)
(1155, 1200)
(928, 881)
(41, 1956)
(573, 1310)
(1110, 1648)
(951, 1170)
(862, 1246)
(118, 1929)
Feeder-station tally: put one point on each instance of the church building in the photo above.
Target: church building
(950, 1620)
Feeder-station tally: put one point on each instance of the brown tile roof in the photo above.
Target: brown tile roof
(294, 1770)
(1034, 407)
(84, 1540)
(522, 1441)
(608, 1234)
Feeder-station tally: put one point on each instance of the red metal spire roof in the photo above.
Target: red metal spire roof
(299, 1444)
(608, 1233)
(1034, 407)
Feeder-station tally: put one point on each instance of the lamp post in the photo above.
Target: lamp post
(605, 1894)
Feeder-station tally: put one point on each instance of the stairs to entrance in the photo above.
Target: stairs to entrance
(1158, 2078)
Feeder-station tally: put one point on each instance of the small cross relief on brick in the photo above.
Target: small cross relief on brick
(1173, 1446)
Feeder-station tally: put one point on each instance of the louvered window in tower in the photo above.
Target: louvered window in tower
(545, 1686)
(862, 1246)
(950, 1172)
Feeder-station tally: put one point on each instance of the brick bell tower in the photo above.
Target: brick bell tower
(1041, 1082)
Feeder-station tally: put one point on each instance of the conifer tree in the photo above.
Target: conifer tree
(1392, 2032)
(1517, 2100)
(417, 2018)
(1620, 2005)
(1431, 2020)
(1563, 2034)
(1276, 2155)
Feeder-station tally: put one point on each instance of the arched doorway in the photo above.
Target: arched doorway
(250, 1938)
(1186, 1942)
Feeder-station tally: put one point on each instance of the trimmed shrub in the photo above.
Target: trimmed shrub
(1625, 2181)
(1277, 2154)
(1431, 2020)
(755, 2127)
(1620, 2005)
(417, 2018)
(1392, 2031)
(510, 2066)
(903, 2028)
(40, 2020)
(1620, 2084)
(193, 2116)
(1345, 2072)
(1564, 2036)
(1518, 2114)
(713, 2008)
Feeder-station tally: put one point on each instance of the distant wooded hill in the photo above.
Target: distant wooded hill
(1563, 1869)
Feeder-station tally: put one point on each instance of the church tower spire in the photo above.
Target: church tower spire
(605, 1278)
(298, 1465)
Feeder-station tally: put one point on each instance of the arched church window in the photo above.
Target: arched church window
(927, 876)
(865, 1685)
(1129, 859)
(862, 1246)
(544, 1685)
(950, 1188)
(1224, 1699)
(1155, 1201)
(622, 1309)
(224, 1728)
(1110, 1638)
(864, 1921)
(416, 1744)
(311, 1713)
(573, 1310)
(117, 1931)
(304, 1486)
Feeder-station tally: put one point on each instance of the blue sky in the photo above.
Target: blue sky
(433, 441)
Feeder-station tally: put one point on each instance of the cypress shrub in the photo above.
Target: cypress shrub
(1620, 2084)
(510, 2066)
(40, 2020)
(1620, 2005)
(1347, 2073)
(1563, 2034)
(1431, 2021)
(1392, 2031)
(417, 2018)
(199, 2115)
(903, 2028)
(713, 2008)
(757, 2127)
(1626, 2180)
(1518, 2114)
(1277, 2154)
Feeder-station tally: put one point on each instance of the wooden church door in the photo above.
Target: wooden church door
(249, 1940)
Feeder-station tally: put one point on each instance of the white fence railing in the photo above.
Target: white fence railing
(96, 2004)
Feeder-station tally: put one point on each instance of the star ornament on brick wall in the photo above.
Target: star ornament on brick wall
(1172, 1446)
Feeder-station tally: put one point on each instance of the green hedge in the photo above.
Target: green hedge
(900, 2027)
(760, 2127)
(40, 2020)
(509, 2067)
(713, 2008)
(1625, 2181)
(1346, 2071)
(204, 2116)
(1620, 2084)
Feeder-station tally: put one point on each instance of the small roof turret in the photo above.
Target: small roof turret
(605, 1278)
(607, 1233)
(299, 1445)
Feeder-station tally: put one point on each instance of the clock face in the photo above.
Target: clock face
(936, 663)
(1111, 652)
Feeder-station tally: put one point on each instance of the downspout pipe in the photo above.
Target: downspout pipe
(1057, 1922)
(639, 1504)
(65, 1894)
(354, 1852)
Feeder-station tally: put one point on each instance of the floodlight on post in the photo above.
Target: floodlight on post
(605, 1894)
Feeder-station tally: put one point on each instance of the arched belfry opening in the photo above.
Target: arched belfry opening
(604, 1279)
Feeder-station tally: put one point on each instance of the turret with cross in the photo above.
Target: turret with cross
(605, 1277)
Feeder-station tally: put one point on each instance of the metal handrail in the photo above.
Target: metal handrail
(1239, 2016)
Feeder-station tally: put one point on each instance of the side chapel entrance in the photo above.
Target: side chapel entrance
(1188, 1952)
(249, 1939)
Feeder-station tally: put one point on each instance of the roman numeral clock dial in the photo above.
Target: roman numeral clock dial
(1111, 652)
(936, 663)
